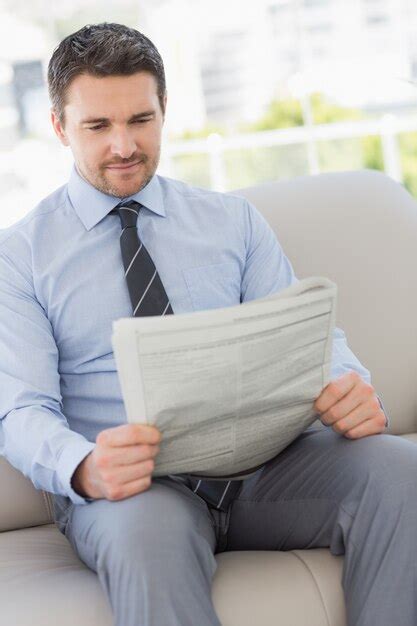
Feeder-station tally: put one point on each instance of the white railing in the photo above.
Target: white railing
(387, 128)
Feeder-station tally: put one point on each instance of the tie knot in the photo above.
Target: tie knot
(128, 212)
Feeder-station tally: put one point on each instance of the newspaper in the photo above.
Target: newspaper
(228, 388)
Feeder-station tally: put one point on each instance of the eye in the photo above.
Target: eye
(100, 126)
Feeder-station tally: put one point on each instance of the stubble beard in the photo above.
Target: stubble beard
(125, 189)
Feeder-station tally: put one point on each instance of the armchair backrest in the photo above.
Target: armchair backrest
(21, 504)
(360, 230)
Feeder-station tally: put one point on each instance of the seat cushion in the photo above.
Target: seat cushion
(262, 587)
(44, 583)
(411, 436)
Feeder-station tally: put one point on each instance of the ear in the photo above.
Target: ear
(165, 104)
(59, 130)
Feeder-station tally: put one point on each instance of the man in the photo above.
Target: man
(119, 240)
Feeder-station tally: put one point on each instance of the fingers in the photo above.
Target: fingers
(128, 455)
(366, 411)
(357, 396)
(335, 391)
(119, 492)
(118, 476)
(373, 426)
(129, 434)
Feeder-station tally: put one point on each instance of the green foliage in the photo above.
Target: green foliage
(280, 114)
(194, 168)
(250, 166)
(201, 133)
(372, 153)
(408, 152)
(336, 154)
(288, 113)
(325, 112)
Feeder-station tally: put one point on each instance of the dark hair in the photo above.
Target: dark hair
(102, 50)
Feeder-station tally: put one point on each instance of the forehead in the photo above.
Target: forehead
(111, 96)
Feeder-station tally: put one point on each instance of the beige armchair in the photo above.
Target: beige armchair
(360, 230)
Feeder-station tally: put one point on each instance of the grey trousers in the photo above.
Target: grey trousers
(357, 497)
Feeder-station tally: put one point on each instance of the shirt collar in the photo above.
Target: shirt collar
(92, 205)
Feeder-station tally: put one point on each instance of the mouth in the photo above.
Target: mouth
(123, 168)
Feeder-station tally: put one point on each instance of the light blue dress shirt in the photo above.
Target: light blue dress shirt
(62, 285)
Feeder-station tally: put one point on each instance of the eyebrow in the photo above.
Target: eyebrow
(136, 116)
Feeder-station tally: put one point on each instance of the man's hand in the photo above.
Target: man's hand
(120, 465)
(351, 406)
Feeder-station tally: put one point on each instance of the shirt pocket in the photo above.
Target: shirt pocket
(213, 286)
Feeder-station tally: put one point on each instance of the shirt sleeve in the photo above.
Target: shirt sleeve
(34, 434)
(268, 270)
(387, 420)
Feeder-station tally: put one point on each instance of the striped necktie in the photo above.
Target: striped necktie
(148, 297)
(146, 290)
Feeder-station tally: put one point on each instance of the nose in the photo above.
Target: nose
(122, 143)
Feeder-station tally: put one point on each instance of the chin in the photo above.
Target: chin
(120, 189)
(123, 189)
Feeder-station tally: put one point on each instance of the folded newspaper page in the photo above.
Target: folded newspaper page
(228, 388)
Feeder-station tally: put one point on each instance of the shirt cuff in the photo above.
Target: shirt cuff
(71, 457)
(385, 413)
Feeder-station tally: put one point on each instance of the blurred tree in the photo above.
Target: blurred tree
(408, 151)
(280, 114)
(199, 134)
(340, 154)
(325, 112)
(249, 166)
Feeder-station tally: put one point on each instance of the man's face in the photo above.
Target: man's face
(111, 122)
